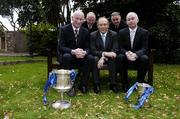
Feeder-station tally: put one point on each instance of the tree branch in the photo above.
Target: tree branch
(6, 29)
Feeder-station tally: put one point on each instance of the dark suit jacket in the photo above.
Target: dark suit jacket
(140, 45)
(96, 43)
(67, 40)
(94, 27)
(121, 26)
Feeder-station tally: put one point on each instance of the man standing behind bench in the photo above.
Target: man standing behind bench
(74, 47)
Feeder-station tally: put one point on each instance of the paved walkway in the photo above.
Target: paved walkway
(12, 54)
(15, 54)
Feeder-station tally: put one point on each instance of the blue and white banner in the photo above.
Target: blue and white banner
(148, 90)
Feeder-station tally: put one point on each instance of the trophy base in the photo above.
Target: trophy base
(61, 104)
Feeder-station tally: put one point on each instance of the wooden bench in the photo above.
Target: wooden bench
(55, 65)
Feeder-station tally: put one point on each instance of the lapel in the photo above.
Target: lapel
(79, 35)
(136, 37)
(108, 38)
(128, 37)
(72, 32)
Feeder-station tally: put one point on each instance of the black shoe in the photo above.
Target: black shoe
(83, 89)
(125, 88)
(97, 88)
(71, 92)
(114, 88)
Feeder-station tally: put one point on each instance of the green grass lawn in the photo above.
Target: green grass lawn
(21, 90)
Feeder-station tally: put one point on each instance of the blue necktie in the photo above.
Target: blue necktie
(104, 39)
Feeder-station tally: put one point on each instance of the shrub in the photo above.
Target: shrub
(43, 36)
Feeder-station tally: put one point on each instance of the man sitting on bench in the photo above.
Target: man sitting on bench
(103, 44)
(133, 47)
(74, 48)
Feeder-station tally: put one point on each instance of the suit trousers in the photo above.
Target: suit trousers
(69, 61)
(111, 63)
(141, 65)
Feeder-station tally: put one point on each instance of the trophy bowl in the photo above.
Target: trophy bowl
(63, 84)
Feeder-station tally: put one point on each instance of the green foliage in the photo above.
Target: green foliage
(165, 34)
(21, 88)
(43, 36)
(30, 11)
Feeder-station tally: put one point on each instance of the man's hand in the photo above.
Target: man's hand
(79, 53)
(101, 62)
(109, 54)
(131, 56)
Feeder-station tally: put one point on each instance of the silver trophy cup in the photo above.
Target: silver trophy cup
(63, 85)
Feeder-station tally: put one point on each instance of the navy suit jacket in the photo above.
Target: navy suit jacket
(140, 44)
(96, 43)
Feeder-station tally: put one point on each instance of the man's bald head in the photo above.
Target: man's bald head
(132, 20)
(103, 24)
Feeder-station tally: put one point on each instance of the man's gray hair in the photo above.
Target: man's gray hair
(78, 12)
(90, 14)
(115, 14)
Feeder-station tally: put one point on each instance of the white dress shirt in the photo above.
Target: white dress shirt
(132, 35)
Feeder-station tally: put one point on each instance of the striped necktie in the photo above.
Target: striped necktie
(76, 34)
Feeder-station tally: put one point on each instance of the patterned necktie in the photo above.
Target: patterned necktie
(104, 39)
(132, 34)
(76, 34)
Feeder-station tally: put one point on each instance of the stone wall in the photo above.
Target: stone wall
(14, 41)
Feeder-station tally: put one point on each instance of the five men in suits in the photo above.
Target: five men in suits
(133, 46)
(104, 47)
(74, 47)
(103, 44)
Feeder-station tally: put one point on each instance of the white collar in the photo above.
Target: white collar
(103, 34)
(133, 29)
(75, 28)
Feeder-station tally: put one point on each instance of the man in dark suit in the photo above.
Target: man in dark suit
(116, 22)
(103, 44)
(74, 47)
(90, 22)
(133, 46)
